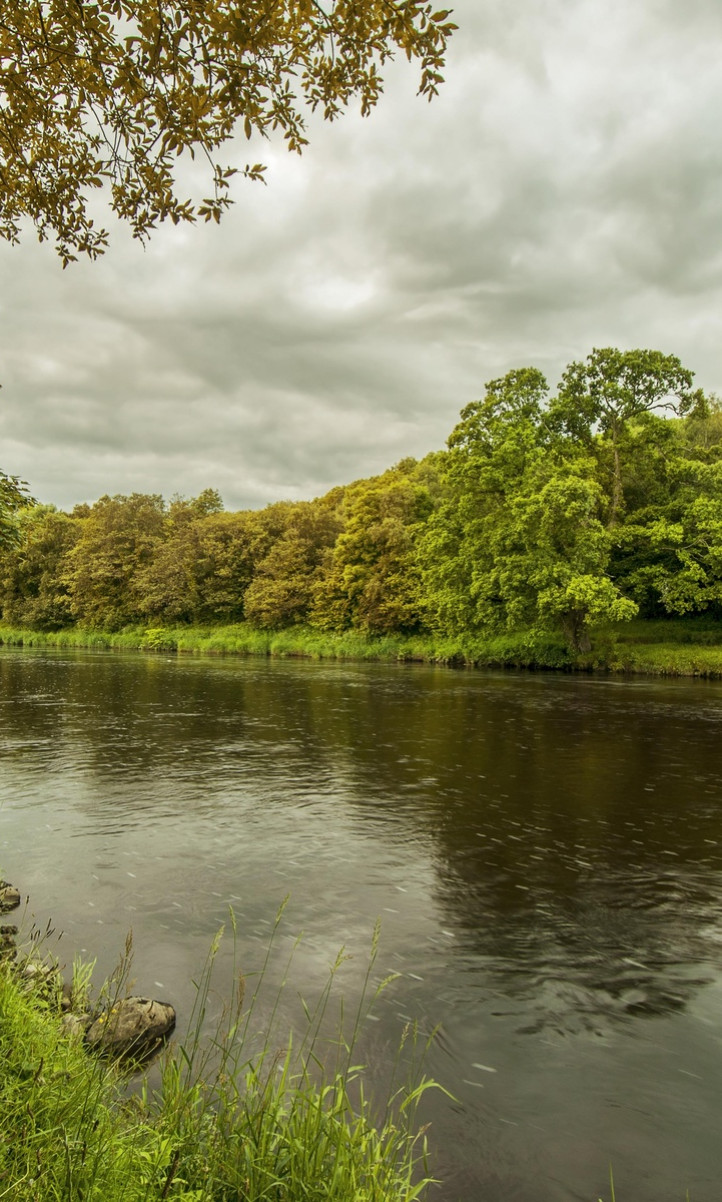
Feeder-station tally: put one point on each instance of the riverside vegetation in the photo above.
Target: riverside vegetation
(581, 529)
(243, 1116)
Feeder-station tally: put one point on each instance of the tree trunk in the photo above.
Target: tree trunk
(617, 490)
(576, 632)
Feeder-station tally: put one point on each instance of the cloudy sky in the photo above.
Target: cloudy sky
(564, 192)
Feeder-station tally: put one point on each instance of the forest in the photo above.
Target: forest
(547, 512)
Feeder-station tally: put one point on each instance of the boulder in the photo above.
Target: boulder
(75, 1026)
(9, 897)
(134, 1028)
(38, 976)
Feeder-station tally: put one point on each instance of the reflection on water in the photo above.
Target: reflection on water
(545, 854)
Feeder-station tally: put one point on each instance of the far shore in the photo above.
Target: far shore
(690, 647)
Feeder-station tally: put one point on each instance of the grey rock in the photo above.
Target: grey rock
(38, 976)
(36, 970)
(76, 1025)
(134, 1028)
(9, 897)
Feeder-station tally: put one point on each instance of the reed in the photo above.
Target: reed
(248, 1114)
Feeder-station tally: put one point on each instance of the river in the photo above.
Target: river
(544, 853)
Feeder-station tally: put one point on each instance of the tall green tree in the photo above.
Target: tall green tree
(372, 582)
(668, 553)
(285, 579)
(488, 453)
(518, 542)
(32, 588)
(609, 390)
(118, 538)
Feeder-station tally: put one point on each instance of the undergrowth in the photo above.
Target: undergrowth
(237, 1117)
(518, 650)
(662, 648)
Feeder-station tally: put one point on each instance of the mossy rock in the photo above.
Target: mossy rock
(134, 1028)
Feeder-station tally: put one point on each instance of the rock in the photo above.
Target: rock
(7, 942)
(9, 897)
(134, 1028)
(38, 975)
(76, 1025)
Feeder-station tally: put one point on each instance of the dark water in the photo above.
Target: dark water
(545, 854)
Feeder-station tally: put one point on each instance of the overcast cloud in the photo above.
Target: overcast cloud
(564, 192)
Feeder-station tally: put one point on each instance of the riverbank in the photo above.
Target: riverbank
(275, 1128)
(691, 647)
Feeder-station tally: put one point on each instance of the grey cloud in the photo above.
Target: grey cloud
(564, 191)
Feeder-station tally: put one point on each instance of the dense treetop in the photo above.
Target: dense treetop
(546, 512)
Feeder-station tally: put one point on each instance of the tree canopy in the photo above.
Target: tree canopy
(110, 93)
(537, 519)
(13, 496)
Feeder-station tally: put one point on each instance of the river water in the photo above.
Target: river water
(544, 853)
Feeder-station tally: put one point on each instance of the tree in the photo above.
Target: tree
(32, 587)
(110, 93)
(488, 455)
(372, 580)
(518, 542)
(609, 390)
(118, 538)
(13, 496)
(201, 573)
(284, 581)
(669, 555)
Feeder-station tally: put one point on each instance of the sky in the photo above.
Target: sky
(563, 192)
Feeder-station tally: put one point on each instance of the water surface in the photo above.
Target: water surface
(545, 853)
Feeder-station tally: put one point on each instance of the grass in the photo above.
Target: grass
(238, 1117)
(518, 650)
(690, 647)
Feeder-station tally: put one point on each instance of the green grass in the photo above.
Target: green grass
(517, 650)
(690, 647)
(698, 631)
(237, 1118)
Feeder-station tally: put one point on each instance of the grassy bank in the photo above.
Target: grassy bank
(302, 642)
(666, 648)
(277, 1127)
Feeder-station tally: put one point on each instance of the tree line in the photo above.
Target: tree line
(545, 512)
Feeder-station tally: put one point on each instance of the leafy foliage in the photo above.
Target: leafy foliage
(545, 518)
(611, 389)
(372, 583)
(118, 538)
(13, 496)
(518, 541)
(31, 580)
(282, 590)
(109, 94)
